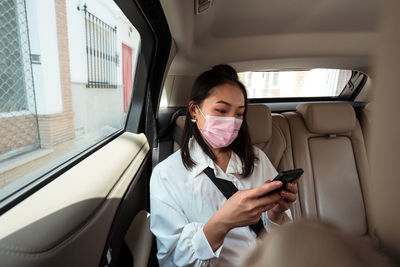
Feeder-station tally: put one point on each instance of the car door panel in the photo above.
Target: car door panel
(66, 223)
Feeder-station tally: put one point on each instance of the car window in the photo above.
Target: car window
(304, 83)
(66, 79)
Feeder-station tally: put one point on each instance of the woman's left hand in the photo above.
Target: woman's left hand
(288, 196)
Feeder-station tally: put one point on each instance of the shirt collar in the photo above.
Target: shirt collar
(203, 161)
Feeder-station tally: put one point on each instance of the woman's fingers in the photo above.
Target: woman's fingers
(266, 208)
(284, 205)
(264, 189)
(268, 200)
(296, 181)
(292, 187)
(290, 197)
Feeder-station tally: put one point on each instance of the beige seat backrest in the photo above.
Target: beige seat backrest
(270, 132)
(328, 144)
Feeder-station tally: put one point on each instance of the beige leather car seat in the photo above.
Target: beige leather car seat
(329, 145)
(384, 185)
(270, 133)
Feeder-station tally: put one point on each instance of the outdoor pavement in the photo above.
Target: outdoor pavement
(28, 165)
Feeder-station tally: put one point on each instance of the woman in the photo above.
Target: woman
(194, 223)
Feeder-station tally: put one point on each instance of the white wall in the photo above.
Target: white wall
(43, 41)
(96, 108)
(107, 11)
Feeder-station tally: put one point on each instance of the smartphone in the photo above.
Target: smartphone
(285, 177)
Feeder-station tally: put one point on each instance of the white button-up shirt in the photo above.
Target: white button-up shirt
(182, 201)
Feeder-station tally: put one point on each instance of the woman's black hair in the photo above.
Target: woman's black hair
(202, 89)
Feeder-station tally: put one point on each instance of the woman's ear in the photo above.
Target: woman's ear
(192, 109)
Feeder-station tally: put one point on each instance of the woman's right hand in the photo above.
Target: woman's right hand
(242, 209)
(245, 206)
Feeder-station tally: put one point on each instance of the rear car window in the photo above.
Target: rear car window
(66, 80)
(302, 83)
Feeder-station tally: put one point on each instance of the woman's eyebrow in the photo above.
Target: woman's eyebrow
(226, 103)
(223, 102)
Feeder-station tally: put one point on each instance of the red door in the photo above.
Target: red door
(127, 74)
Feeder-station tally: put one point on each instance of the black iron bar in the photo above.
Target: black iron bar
(116, 57)
(108, 56)
(91, 51)
(103, 78)
(101, 51)
(87, 45)
(104, 55)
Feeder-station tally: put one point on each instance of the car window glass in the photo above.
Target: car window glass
(307, 83)
(66, 79)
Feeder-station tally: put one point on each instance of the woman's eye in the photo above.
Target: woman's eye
(239, 114)
(220, 110)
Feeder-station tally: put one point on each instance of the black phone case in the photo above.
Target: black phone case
(289, 176)
(286, 177)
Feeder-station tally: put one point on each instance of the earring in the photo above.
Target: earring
(193, 120)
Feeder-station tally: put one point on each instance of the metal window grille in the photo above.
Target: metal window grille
(101, 50)
(18, 117)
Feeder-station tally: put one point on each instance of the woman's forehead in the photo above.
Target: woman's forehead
(226, 94)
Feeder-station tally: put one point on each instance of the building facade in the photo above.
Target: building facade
(64, 65)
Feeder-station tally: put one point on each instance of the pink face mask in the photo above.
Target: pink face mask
(220, 131)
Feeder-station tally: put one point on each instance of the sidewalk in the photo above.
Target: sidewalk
(28, 163)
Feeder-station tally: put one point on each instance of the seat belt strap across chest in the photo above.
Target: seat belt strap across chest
(227, 188)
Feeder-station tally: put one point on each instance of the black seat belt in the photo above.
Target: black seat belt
(227, 188)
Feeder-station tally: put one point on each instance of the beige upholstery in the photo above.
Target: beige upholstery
(139, 239)
(385, 132)
(329, 118)
(270, 132)
(310, 243)
(66, 223)
(259, 120)
(334, 162)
